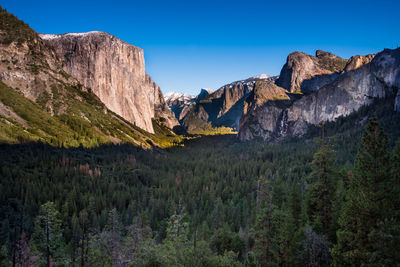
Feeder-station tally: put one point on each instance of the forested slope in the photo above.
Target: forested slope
(213, 202)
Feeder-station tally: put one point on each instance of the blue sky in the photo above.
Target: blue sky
(193, 44)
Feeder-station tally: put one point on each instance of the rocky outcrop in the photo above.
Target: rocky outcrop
(60, 110)
(40, 102)
(29, 65)
(303, 73)
(364, 79)
(159, 108)
(262, 111)
(178, 101)
(358, 61)
(221, 108)
(115, 71)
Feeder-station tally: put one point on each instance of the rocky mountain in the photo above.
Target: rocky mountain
(40, 101)
(344, 90)
(304, 73)
(178, 101)
(220, 108)
(114, 71)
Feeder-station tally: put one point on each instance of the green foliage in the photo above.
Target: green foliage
(83, 123)
(43, 99)
(369, 227)
(64, 74)
(315, 249)
(332, 64)
(47, 235)
(210, 130)
(251, 260)
(50, 127)
(321, 194)
(14, 30)
(34, 69)
(224, 240)
(213, 202)
(4, 256)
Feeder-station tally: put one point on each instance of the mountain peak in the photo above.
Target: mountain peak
(317, 71)
(262, 76)
(208, 90)
(47, 36)
(321, 53)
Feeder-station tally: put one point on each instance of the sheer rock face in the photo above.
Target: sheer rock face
(223, 107)
(262, 111)
(305, 73)
(115, 71)
(21, 64)
(364, 79)
(32, 67)
(178, 101)
(358, 61)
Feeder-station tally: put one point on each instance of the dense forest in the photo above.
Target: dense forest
(330, 198)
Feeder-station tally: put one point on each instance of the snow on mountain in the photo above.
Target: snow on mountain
(262, 76)
(171, 97)
(46, 36)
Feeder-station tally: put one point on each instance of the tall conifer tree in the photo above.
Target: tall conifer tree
(368, 204)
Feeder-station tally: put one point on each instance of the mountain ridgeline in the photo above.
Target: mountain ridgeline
(222, 108)
(84, 183)
(77, 89)
(310, 90)
(115, 72)
(92, 88)
(319, 89)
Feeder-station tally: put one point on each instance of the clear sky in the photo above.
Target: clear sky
(207, 43)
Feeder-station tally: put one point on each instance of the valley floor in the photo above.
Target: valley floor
(205, 203)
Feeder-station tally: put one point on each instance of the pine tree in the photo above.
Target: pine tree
(251, 260)
(264, 223)
(295, 207)
(321, 194)
(368, 208)
(47, 235)
(275, 227)
(4, 256)
(395, 176)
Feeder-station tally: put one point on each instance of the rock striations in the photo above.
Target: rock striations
(40, 101)
(305, 73)
(262, 109)
(223, 107)
(178, 102)
(345, 89)
(115, 71)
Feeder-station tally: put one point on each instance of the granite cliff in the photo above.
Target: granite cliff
(223, 107)
(358, 83)
(40, 101)
(114, 71)
(304, 73)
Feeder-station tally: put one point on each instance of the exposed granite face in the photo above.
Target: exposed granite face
(178, 101)
(159, 108)
(30, 66)
(358, 61)
(221, 108)
(262, 111)
(115, 71)
(33, 68)
(364, 79)
(306, 73)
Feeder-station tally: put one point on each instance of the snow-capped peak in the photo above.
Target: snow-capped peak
(262, 76)
(171, 96)
(47, 36)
